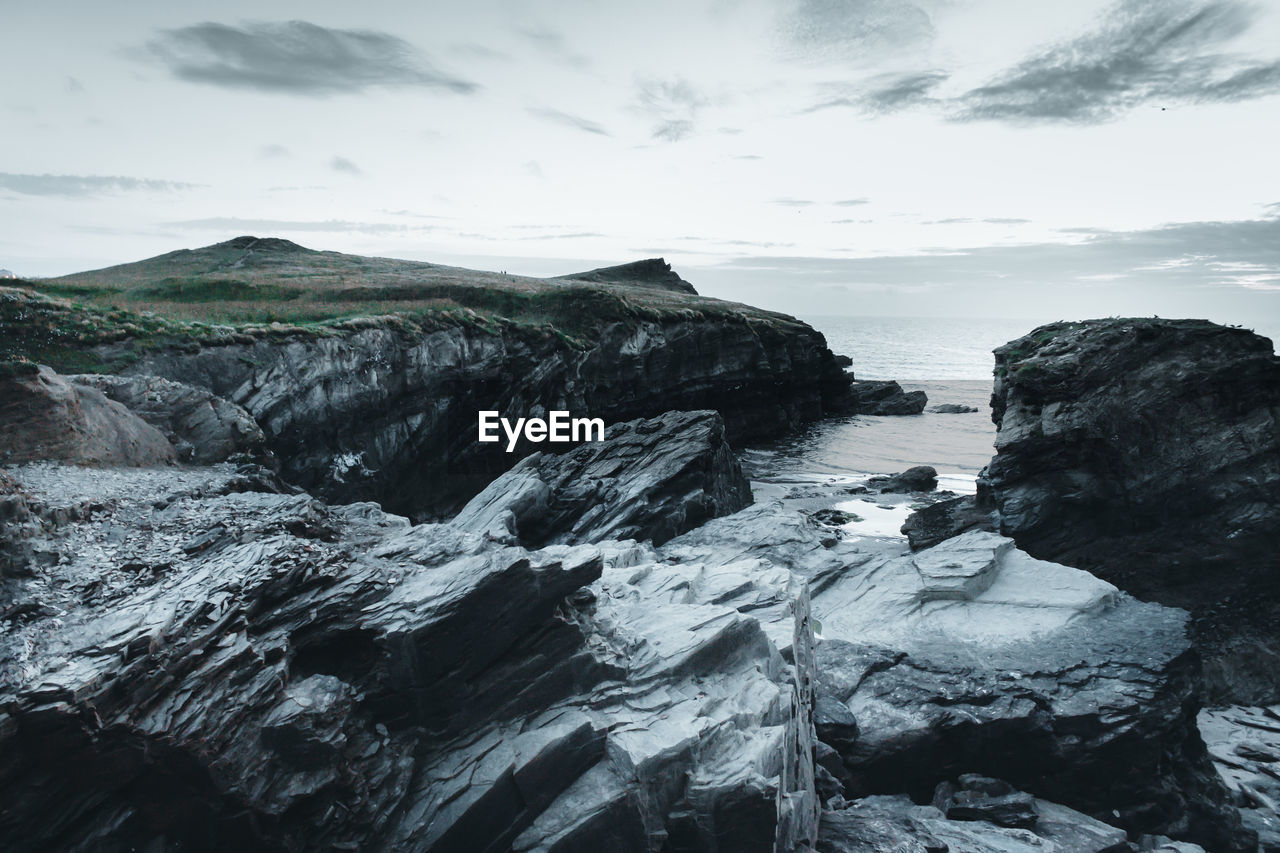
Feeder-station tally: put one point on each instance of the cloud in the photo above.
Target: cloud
(296, 57)
(74, 86)
(1142, 52)
(84, 185)
(852, 29)
(674, 105)
(342, 164)
(1218, 256)
(273, 151)
(852, 202)
(793, 202)
(568, 120)
(242, 226)
(674, 130)
(554, 45)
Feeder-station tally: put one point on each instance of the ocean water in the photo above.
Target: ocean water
(919, 348)
(950, 360)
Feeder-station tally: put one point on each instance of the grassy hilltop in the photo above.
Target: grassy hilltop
(274, 287)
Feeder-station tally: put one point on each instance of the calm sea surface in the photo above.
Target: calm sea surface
(950, 360)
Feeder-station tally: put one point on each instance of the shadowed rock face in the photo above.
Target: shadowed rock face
(1148, 451)
(47, 418)
(381, 414)
(210, 663)
(202, 428)
(649, 480)
(651, 272)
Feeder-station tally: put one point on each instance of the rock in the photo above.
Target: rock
(990, 800)
(47, 418)
(648, 480)
(1148, 452)
(951, 409)
(209, 674)
(652, 272)
(1245, 746)
(921, 478)
(894, 823)
(202, 428)
(384, 410)
(939, 659)
(886, 398)
(932, 524)
(843, 360)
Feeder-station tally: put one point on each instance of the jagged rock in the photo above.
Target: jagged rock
(1148, 451)
(843, 361)
(202, 428)
(652, 272)
(895, 823)
(876, 397)
(939, 658)
(648, 480)
(991, 800)
(932, 524)
(952, 409)
(47, 418)
(1245, 746)
(381, 410)
(921, 478)
(222, 667)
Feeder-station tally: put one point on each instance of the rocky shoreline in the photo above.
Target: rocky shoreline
(619, 647)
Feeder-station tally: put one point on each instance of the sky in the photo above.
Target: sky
(947, 158)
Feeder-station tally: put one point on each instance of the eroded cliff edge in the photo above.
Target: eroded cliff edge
(384, 408)
(1147, 451)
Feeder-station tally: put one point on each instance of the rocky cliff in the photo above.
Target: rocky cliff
(1148, 452)
(385, 408)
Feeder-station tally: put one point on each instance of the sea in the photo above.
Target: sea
(950, 360)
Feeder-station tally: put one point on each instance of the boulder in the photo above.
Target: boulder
(921, 478)
(895, 823)
(952, 409)
(202, 427)
(875, 397)
(930, 525)
(650, 479)
(49, 419)
(1148, 452)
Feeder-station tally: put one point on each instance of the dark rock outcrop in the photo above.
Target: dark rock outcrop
(46, 418)
(202, 428)
(649, 480)
(213, 664)
(937, 522)
(651, 272)
(973, 657)
(895, 823)
(876, 397)
(952, 409)
(921, 478)
(1148, 452)
(387, 411)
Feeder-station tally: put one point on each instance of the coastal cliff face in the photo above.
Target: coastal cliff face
(1147, 451)
(385, 408)
(388, 413)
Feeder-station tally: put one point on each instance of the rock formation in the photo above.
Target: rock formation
(47, 418)
(875, 397)
(1148, 452)
(650, 480)
(211, 663)
(202, 428)
(652, 272)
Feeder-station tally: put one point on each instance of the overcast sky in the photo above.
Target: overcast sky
(1018, 158)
